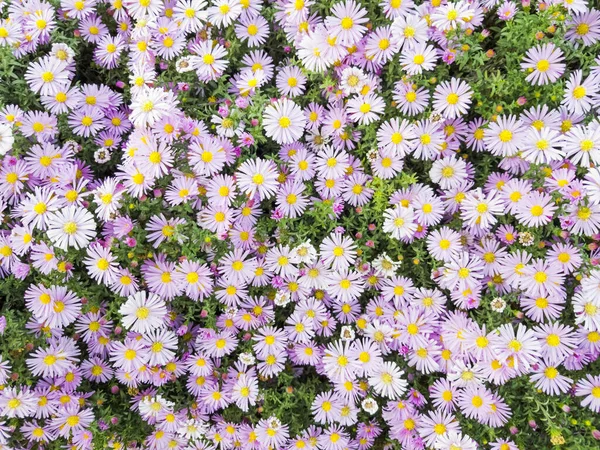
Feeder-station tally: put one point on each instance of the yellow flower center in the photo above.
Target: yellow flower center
(285, 122)
(347, 23)
(543, 65)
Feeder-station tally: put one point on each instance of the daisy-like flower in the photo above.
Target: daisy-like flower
(400, 222)
(381, 45)
(396, 135)
(190, 14)
(332, 163)
(280, 261)
(584, 26)
(345, 285)
(54, 361)
(448, 172)
(224, 12)
(207, 156)
(582, 145)
(543, 146)
(520, 347)
(237, 267)
(271, 432)
(221, 190)
(586, 218)
(545, 64)
(305, 253)
(452, 15)
(107, 196)
(47, 76)
(347, 22)
(366, 109)
(253, 28)
(71, 227)
(436, 424)
(505, 136)
(536, 209)
(557, 341)
(386, 379)
(586, 306)
(410, 100)
(579, 94)
(150, 105)
(590, 388)
(209, 60)
(454, 440)
(337, 360)
(415, 60)
(129, 355)
(101, 263)
(543, 278)
(71, 420)
(10, 32)
(245, 392)
(481, 210)
(409, 29)
(143, 312)
(291, 81)
(284, 121)
(548, 378)
(17, 403)
(257, 177)
(326, 407)
(139, 9)
(463, 272)
(352, 80)
(291, 199)
(452, 98)
(338, 251)
(36, 209)
(444, 244)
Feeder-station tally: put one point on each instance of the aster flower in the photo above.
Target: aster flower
(129, 355)
(536, 209)
(257, 176)
(448, 172)
(346, 22)
(72, 227)
(272, 432)
(150, 105)
(47, 76)
(414, 60)
(544, 63)
(365, 109)
(548, 378)
(337, 360)
(71, 420)
(584, 26)
(504, 137)
(481, 210)
(451, 99)
(386, 380)
(521, 347)
(143, 312)
(338, 251)
(16, 402)
(100, 263)
(284, 121)
(590, 388)
(452, 15)
(582, 145)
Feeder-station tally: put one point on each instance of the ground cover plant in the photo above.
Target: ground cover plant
(299, 224)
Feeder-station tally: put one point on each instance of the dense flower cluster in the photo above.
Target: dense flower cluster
(248, 224)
